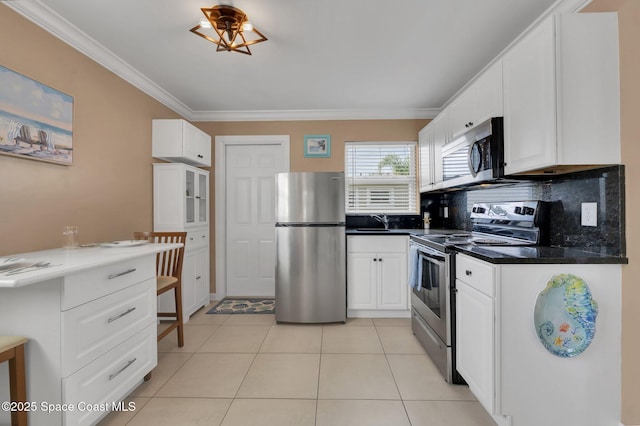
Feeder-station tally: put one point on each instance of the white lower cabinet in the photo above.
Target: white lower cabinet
(100, 386)
(92, 339)
(475, 339)
(377, 276)
(498, 351)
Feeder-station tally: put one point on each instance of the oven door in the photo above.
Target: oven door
(430, 297)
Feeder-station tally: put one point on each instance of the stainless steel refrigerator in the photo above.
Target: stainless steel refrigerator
(310, 248)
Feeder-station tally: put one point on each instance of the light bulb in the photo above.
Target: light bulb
(205, 23)
(247, 26)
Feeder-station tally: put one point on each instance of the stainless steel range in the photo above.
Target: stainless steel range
(432, 278)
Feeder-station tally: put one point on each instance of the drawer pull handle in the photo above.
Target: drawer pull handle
(198, 277)
(127, 312)
(112, 276)
(468, 272)
(114, 375)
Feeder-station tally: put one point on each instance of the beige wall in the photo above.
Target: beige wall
(629, 27)
(340, 131)
(107, 190)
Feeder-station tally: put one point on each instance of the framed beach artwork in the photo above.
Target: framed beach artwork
(317, 146)
(35, 120)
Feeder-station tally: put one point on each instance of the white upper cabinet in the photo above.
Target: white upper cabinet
(479, 102)
(430, 141)
(425, 152)
(561, 95)
(179, 141)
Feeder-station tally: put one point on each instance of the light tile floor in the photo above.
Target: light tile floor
(247, 370)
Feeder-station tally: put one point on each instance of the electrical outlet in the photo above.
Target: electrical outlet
(589, 215)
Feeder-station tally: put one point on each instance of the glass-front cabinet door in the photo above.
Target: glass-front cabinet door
(202, 198)
(190, 201)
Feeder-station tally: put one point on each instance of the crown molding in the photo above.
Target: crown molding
(314, 115)
(41, 15)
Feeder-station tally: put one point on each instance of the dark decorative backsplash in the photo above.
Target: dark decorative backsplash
(395, 221)
(604, 186)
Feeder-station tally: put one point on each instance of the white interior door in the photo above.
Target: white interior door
(250, 218)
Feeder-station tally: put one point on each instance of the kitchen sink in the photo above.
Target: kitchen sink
(372, 230)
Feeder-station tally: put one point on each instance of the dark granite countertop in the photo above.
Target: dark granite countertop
(537, 254)
(508, 254)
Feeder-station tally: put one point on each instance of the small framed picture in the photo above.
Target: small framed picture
(317, 146)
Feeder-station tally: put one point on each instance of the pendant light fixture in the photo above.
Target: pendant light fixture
(229, 28)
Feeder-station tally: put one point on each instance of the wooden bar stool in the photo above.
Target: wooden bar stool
(169, 276)
(12, 350)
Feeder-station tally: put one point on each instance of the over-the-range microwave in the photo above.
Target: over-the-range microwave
(475, 157)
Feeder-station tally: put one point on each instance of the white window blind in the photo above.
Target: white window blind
(380, 177)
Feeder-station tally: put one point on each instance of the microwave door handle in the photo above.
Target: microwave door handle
(474, 155)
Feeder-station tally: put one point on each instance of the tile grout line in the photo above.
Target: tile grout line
(315, 419)
(395, 381)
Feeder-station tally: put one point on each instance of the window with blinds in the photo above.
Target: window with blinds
(380, 177)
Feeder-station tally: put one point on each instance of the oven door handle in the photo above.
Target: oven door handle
(428, 252)
(430, 256)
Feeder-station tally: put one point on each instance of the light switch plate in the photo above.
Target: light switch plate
(589, 215)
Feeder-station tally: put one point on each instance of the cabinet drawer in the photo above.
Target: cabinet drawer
(90, 330)
(375, 244)
(196, 239)
(94, 283)
(477, 274)
(110, 378)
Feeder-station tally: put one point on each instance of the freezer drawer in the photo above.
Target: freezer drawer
(310, 274)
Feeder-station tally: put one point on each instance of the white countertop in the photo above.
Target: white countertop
(67, 261)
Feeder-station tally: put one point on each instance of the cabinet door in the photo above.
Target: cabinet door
(440, 138)
(425, 147)
(475, 342)
(361, 281)
(393, 291)
(487, 92)
(190, 197)
(461, 113)
(189, 304)
(530, 101)
(202, 278)
(202, 198)
(190, 142)
(204, 148)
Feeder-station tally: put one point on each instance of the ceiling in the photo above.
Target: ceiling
(323, 59)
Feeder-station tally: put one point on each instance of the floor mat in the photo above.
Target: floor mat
(244, 306)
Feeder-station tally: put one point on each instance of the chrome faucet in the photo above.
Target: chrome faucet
(382, 219)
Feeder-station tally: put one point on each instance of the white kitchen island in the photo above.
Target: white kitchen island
(90, 317)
